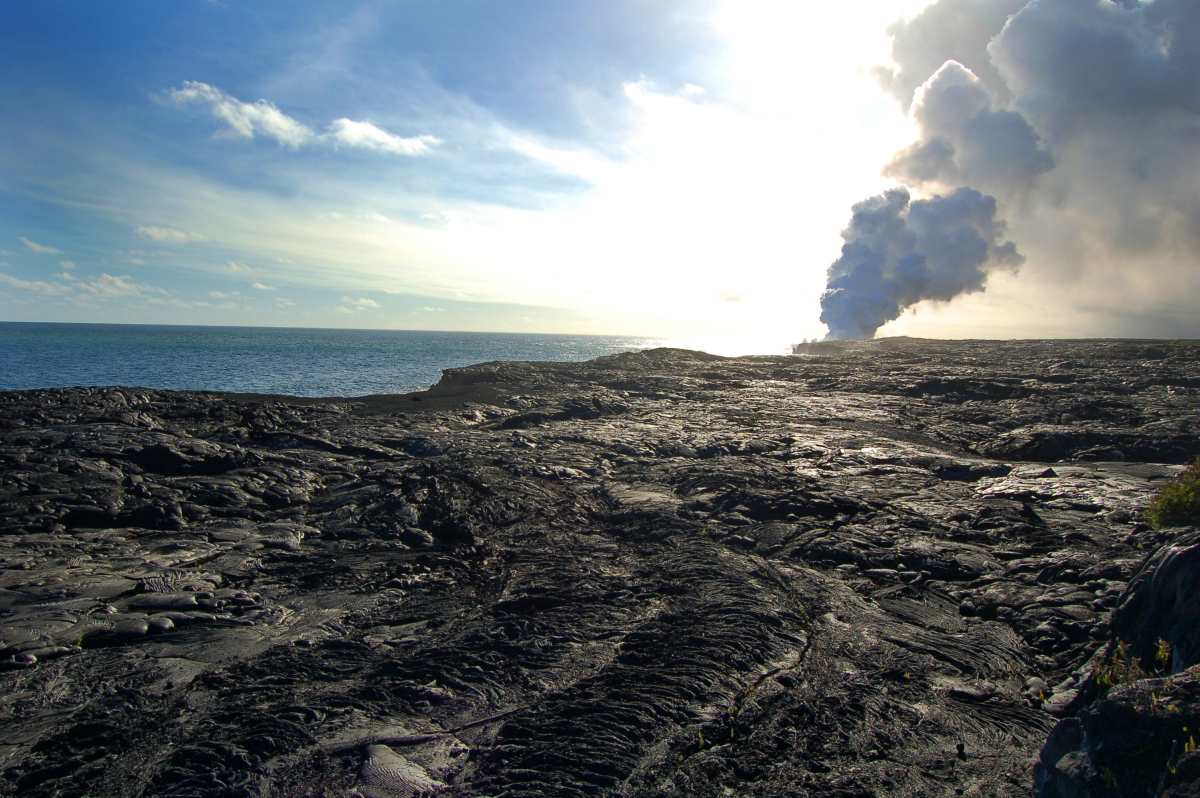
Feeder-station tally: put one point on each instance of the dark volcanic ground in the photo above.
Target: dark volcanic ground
(873, 569)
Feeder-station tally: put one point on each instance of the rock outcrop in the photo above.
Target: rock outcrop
(1137, 729)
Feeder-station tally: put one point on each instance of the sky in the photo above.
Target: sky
(688, 169)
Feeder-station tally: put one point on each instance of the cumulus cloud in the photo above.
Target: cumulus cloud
(41, 249)
(356, 305)
(262, 118)
(168, 235)
(898, 252)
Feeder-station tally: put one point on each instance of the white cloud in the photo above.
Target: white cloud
(366, 136)
(263, 118)
(41, 249)
(580, 163)
(432, 309)
(262, 287)
(34, 286)
(238, 268)
(353, 305)
(691, 195)
(168, 235)
(108, 286)
(223, 294)
(244, 119)
(68, 265)
(284, 304)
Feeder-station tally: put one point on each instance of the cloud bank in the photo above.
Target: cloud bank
(1081, 120)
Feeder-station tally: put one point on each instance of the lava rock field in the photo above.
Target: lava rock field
(879, 568)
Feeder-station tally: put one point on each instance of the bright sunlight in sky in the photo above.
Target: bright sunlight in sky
(676, 169)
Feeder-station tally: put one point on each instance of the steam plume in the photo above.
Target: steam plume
(1081, 118)
(898, 252)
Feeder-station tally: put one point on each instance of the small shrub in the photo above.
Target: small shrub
(1178, 504)
(1122, 667)
(1119, 668)
(1162, 654)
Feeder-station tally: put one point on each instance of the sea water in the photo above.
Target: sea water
(297, 362)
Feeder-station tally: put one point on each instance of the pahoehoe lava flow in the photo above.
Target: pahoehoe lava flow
(875, 568)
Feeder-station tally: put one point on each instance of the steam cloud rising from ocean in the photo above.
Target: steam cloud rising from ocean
(1074, 124)
(898, 252)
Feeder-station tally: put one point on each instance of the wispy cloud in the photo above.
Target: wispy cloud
(244, 119)
(106, 286)
(68, 265)
(168, 235)
(41, 249)
(238, 268)
(263, 118)
(262, 286)
(34, 286)
(579, 163)
(366, 136)
(355, 305)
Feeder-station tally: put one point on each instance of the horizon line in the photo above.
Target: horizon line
(329, 329)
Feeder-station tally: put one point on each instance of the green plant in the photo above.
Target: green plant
(1119, 668)
(1177, 504)
(1162, 654)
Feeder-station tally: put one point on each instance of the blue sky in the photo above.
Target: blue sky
(632, 166)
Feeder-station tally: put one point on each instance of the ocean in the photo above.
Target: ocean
(297, 362)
